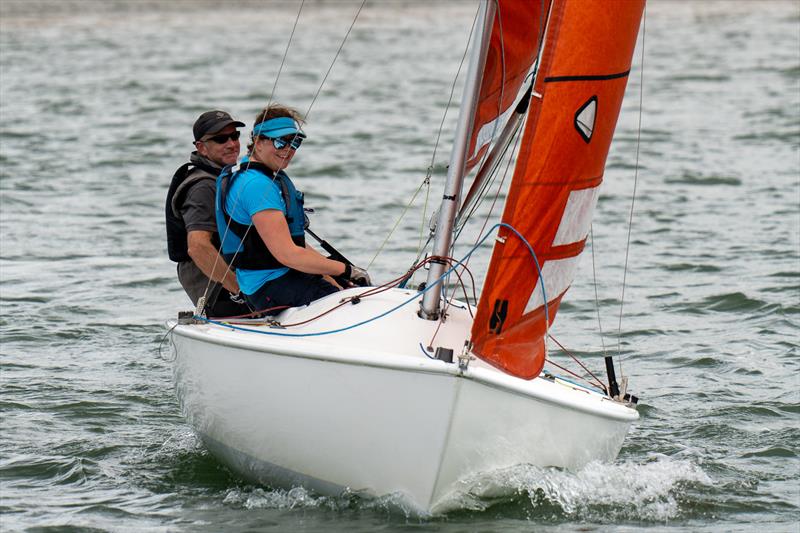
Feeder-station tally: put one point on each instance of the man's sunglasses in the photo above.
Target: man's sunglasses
(293, 141)
(224, 137)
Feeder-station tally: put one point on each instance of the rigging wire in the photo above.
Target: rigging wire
(633, 200)
(596, 298)
(575, 358)
(285, 54)
(424, 214)
(426, 181)
(269, 102)
(399, 219)
(335, 57)
(570, 372)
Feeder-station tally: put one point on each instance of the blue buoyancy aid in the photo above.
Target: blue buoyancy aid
(253, 254)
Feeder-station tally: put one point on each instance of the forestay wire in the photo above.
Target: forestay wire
(596, 297)
(633, 199)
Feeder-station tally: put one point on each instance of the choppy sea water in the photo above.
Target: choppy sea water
(96, 105)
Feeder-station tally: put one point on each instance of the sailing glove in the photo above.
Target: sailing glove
(357, 275)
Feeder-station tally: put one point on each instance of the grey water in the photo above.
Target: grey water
(97, 100)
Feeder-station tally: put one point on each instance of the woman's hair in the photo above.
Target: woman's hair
(270, 112)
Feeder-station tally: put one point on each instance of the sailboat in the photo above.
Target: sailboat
(347, 394)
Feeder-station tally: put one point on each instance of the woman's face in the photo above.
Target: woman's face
(265, 152)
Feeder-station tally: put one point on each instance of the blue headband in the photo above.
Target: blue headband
(278, 127)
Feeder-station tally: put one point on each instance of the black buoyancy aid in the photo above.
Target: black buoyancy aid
(253, 254)
(182, 180)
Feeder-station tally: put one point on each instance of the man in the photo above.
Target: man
(192, 238)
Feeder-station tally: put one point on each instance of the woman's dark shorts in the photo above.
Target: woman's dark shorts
(293, 289)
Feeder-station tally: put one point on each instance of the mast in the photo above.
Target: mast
(455, 174)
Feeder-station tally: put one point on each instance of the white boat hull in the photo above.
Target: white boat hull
(369, 412)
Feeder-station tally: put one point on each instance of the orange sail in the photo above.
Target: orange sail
(517, 30)
(585, 62)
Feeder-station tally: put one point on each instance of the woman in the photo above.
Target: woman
(261, 220)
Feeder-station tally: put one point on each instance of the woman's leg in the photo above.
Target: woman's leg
(293, 289)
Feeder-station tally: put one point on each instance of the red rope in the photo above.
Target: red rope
(254, 314)
(369, 292)
(577, 361)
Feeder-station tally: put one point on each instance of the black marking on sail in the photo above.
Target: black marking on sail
(498, 316)
(585, 118)
(597, 77)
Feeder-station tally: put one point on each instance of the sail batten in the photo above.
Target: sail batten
(582, 72)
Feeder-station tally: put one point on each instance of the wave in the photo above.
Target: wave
(603, 493)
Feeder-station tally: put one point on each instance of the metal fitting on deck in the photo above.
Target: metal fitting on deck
(186, 317)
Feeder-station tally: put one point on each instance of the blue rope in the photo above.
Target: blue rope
(421, 347)
(412, 299)
(538, 268)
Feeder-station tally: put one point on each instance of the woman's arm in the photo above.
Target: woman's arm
(273, 230)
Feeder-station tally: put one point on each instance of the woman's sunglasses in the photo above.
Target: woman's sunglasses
(293, 141)
(223, 138)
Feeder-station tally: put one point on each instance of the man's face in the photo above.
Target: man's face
(220, 147)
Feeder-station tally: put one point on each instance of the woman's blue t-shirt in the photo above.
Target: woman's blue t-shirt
(250, 193)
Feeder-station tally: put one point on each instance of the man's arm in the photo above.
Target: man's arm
(207, 259)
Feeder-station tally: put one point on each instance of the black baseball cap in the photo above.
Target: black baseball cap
(212, 122)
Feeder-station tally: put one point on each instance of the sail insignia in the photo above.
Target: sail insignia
(584, 118)
(498, 316)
